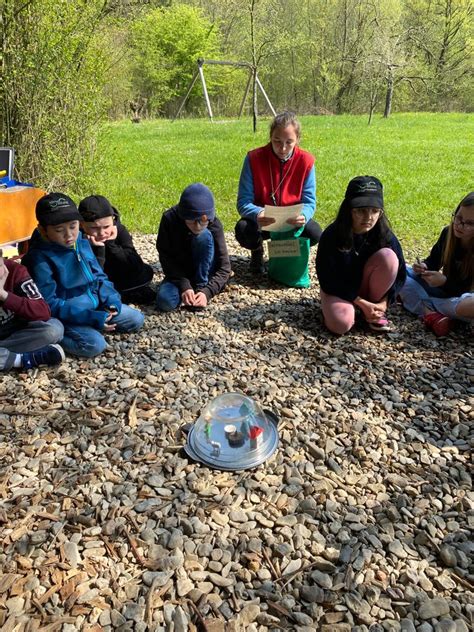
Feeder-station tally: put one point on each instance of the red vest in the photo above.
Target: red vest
(267, 169)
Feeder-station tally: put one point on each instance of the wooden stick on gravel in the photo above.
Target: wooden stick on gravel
(199, 616)
(151, 596)
(270, 563)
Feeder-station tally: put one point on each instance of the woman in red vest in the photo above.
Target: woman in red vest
(278, 174)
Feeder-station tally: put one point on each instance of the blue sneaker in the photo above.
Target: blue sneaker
(49, 355)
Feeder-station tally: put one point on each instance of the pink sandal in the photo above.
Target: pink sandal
(381, 325)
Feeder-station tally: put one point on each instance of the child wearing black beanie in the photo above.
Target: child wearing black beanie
(113, 246)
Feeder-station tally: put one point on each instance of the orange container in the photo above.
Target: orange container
(17, 213)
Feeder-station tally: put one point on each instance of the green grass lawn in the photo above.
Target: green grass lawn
(425, 162)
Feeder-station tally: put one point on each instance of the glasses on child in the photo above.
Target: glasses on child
(373, 212)
(467, 224)
(201, 222)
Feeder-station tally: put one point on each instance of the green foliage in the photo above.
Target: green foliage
(441, 40)
(167, 43)
(424, 161)
(64, 64)
(51, 88)
(351, 55)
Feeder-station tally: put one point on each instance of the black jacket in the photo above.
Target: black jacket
(121, 262)
(340, 272)
(455, 284)
(174, 249)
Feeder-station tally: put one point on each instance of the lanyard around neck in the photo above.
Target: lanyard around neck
(274, 192)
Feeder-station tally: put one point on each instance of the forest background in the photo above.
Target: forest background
(69, 68)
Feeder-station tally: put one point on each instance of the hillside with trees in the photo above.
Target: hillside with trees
(66, 67)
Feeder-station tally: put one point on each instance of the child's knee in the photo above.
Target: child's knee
(338, 315)
(137, 320)
(53, 331)
(339, 326)
(163, 305)
(204, 237)
(93, 348)
(167, 298)
(389, 257)
(86, 345)
(130, 320)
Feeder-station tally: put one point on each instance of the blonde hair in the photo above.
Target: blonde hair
(467, 263)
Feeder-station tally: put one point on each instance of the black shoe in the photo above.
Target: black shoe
(49, 355)
(256, 261)
(140, 296)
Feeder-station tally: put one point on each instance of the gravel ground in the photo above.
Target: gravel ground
(360, 521)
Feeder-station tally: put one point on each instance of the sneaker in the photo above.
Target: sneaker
(429, 318)
(49, 355)
(382, 325)
(256, 261)
(440, 324)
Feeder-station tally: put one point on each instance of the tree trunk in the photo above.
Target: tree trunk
(388, 96)
(293, 79)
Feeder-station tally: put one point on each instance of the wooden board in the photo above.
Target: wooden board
(17, 213)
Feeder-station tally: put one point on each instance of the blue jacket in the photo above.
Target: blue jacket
(71, 281)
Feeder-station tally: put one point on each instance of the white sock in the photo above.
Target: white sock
(17, 361)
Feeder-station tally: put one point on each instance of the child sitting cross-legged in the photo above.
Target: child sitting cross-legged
(440, 289)
(192, 251)
(27, 332)
(72, 282)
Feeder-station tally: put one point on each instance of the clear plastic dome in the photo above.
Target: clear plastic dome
(233, 433)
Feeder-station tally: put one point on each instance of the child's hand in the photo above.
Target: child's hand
(200, 299)
(108, 326)
(3, 274)
(434, 278)
(297, 221)
(371, 311)
(94, 241)
(419, 267)
(188, 297)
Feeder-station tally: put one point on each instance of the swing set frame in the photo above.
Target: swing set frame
(212, 62)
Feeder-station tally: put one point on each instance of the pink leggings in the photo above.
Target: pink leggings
(379, 275)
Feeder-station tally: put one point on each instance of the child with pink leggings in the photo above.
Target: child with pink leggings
(360, 262)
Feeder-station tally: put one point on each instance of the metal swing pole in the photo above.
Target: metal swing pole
(257, 80)
(246, 93)
(193, 81)
(204, 87)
